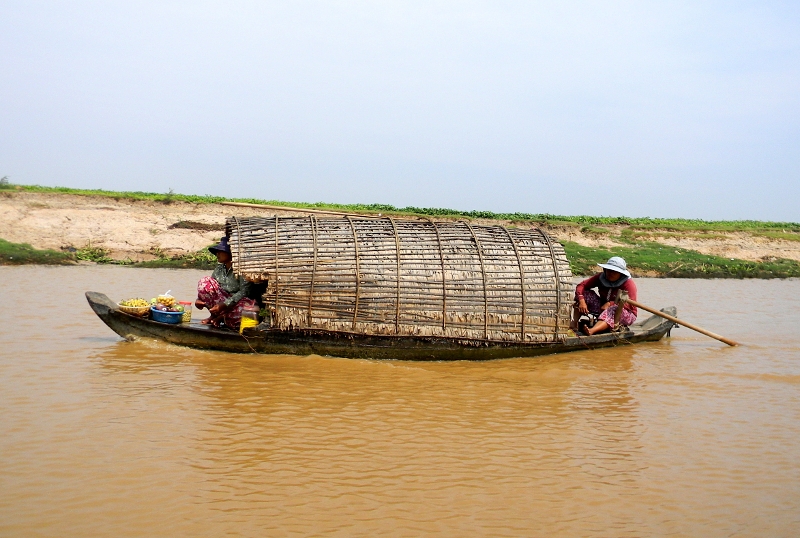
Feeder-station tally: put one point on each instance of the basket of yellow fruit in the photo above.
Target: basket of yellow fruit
(134, 307)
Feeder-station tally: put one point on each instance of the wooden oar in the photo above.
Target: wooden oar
(624, 299)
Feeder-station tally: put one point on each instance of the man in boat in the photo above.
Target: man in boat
(223, 293)
(614, 278)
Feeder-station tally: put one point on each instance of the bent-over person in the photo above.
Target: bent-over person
(223, 293)
(614, 278)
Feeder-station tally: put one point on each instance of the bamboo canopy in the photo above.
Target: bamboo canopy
(386, 276)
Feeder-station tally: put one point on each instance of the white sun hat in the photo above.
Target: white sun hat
(615, 263)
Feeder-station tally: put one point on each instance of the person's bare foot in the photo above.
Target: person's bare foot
(599, 327)
(212, 320)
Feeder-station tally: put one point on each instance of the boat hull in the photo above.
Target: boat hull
(308, 342)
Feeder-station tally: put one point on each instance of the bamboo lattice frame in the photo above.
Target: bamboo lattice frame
(385, 276)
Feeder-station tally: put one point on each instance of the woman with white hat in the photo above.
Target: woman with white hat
(614, 278)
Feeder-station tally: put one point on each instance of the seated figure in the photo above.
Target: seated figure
(223, 293)
(614, 278)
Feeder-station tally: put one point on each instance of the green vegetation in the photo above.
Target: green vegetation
(202, 259)
(637, 223)
(786, 236)
(94, 254)
(595, 230)
(22, 253)
(637, 235)
(655, 259)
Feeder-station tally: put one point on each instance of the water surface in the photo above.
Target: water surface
(685, 437)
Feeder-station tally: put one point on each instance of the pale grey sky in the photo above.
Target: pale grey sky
(661, 109)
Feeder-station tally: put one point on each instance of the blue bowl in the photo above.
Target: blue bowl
(166, 317)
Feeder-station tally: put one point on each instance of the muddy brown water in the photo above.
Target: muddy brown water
(684, 437)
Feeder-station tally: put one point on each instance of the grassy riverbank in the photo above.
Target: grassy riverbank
(635, 226)
(652, 247)
(654, 259)
(23, 254)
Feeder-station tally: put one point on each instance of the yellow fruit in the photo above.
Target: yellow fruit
(134, 302)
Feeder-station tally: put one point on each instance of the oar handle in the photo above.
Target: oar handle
(683, 323)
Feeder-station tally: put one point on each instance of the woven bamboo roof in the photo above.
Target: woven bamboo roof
(386, 276)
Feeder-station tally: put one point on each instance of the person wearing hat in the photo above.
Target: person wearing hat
(614, 278)
(224, 293)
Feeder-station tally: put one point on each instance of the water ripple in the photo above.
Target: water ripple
(680, 437)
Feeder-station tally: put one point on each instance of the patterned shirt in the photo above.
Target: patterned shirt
(236, 285)
(608, 294)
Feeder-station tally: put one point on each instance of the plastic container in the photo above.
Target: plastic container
(165, 317)
(187, 311)
(249, 318)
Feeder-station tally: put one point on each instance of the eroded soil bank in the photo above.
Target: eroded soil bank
(142, 230)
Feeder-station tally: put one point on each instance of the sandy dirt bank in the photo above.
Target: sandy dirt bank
(139, 230)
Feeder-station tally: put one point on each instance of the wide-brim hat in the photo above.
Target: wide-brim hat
(615, 263)
(222, 246)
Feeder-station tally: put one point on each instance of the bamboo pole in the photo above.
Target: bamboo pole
(684, 323)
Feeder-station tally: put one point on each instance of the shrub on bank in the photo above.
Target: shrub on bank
(23, 253)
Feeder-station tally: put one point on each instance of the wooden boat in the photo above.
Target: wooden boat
(386, 288)
(354, 345)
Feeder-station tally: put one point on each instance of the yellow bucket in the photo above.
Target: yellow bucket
(247, 323)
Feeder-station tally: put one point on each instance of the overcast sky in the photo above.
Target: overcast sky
(661, 109)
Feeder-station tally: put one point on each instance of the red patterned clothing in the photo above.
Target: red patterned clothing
(211, 293)
(607, 294)
(595, 304)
